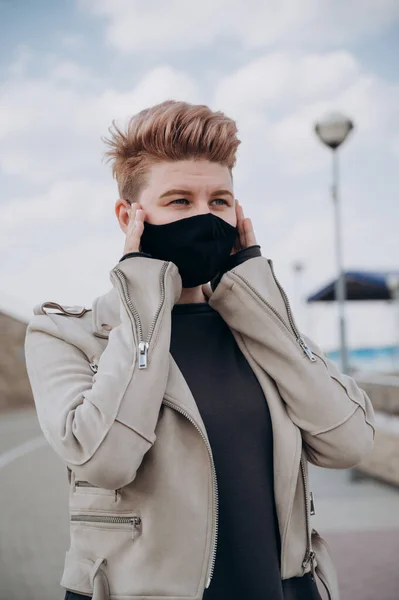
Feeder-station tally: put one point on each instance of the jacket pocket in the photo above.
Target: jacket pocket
(86, 576)
(85, 487)
(131, 523)
(325, 569)
(86, 498)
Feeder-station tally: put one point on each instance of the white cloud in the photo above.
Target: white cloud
(58, 245)
(23, 57)
(70, 274)
(278, 97)
(51, 127)
(157, 26)
(282, 82)
(55, 217)
(71, 72)
(71, 41)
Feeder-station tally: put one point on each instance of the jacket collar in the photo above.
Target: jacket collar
(106, 314)
(105, 311)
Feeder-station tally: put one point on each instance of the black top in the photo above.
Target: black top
(237, 420)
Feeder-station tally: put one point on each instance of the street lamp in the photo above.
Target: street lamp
(333, 131)
(393, 286)
(298, 268)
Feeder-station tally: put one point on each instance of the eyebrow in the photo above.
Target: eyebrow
(176, 192)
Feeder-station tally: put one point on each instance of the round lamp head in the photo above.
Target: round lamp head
(334, 129)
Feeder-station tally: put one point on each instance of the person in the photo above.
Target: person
(185, 402)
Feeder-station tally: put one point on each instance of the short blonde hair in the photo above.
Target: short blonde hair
(167, 132)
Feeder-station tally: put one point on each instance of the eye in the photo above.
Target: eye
(220, 202)
(180, 201)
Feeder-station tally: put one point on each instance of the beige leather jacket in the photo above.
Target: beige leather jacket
(115, 407)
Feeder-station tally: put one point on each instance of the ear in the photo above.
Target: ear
(122, 212)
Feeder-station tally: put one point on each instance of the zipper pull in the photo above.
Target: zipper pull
(143, 355)
(306, 349)
(136, 522)
(93, 366)
(309, 558)
(312, 506)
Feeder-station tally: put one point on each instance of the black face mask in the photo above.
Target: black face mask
(198, 246)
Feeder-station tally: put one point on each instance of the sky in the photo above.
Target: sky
(68, 68)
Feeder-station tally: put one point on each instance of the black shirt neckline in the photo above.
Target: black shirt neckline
(194, 308)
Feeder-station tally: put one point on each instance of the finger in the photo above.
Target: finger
(135, 239)
(238, 213)
(237, 205)
(133, 209)
(250, 239)
(138, 223)
(140, 215)
(240, 227)
(135, 228)
(132, 214)
(138, 231)
(136, 214)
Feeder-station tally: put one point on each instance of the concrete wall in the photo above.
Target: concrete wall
(15, 392)
(383, 391)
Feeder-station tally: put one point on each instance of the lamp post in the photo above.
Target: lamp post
(333, 131)
(298, 268)
(393, 285)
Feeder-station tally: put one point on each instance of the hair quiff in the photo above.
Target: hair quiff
(166, 132)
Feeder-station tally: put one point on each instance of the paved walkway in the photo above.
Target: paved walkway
(359, 520)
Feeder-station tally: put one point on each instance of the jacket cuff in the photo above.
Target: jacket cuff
(131, 254)
(236, 259)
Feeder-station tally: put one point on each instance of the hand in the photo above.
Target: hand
(134, 229)
(246, 236)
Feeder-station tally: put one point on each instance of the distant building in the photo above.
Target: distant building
(15, 391)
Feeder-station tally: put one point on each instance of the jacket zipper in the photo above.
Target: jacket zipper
(211, 567)
(310, 554)
(84, 484)
(87, 484)
(305, 348)
(312, 508)
(143, 345)
(135, 522)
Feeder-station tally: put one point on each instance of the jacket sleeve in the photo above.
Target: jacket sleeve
(102, 425)
(334, 415)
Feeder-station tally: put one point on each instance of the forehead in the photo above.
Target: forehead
(195, 174)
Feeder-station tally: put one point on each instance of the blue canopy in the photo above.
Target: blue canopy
(360, 285)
